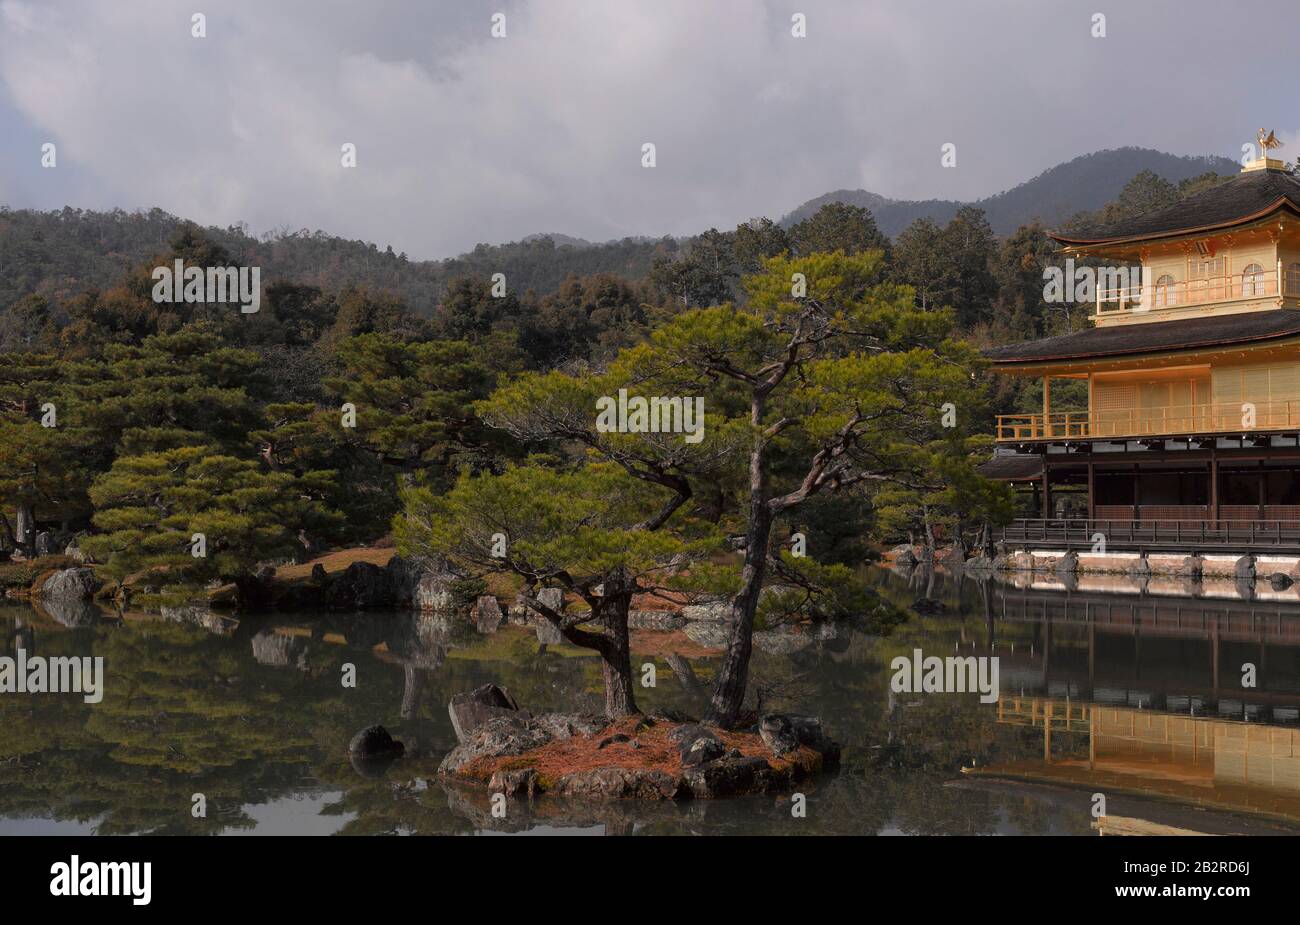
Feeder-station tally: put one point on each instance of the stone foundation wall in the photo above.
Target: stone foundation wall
(1164, 564)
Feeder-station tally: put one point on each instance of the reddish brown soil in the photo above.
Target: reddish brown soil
(657, 753)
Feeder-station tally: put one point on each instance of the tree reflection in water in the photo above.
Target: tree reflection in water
(255, 718)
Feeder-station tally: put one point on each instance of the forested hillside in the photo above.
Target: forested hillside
(57, 254)
(1084, 184)
(61, 253)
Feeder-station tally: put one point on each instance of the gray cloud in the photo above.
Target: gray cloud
(464, 138)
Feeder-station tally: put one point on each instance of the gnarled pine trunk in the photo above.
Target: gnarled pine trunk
(611, 610)
(616, 657)
(733, 673)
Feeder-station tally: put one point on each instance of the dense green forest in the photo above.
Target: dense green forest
(185, 444)
(137, 383)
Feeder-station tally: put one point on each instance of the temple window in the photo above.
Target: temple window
(1166, 294)
(1252, 281)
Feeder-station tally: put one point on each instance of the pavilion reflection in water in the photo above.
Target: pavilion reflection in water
(1142, 694)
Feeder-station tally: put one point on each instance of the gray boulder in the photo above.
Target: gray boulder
(433, 593)
(548, 634)
(515, 782)
(71, 612)
(1192, 567)
(782, 643)
(562, 726)
(618, 783)
(777, 733)
(1022, 561)
(696, 745)
(1140, 569)
(1245, 567)
(280, 651)
(708, 635)
(471, 709)
(487, 614)
(71, 584)
(403, 578)
(1068, 564)
(510, 733)
(426, 585)
(552, 598)
(655, 620)
(374, 742)
(1279, 581)
(784, 732)
(199, 613)
(701, 751)
(362, 586)
(707, 612)
(729, 777)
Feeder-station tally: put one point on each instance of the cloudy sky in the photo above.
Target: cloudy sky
(464, 138)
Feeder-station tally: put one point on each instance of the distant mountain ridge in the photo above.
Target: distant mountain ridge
(61, 253)
(1084, 184)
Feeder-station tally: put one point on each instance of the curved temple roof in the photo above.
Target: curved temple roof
(1245, 198)
(1179, 334)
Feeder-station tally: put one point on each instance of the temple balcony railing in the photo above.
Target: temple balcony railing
(1159, 296)
(1205, 535)
(1176, 420)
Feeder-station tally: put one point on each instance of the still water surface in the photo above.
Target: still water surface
(1136, 696)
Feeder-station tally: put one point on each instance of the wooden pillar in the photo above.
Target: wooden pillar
(1137, 645)
(1092, 737)
(1047, 646)
(1047, 733)
(1092, 501)
(1262, 486)
(1263, 663)
(1047, 491)
(1214, 490)
(1092, 651)
(1214, 658)
(1047, 406)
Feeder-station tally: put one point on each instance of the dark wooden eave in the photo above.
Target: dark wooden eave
(1153, 337)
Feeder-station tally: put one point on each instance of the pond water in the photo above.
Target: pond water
(1136, 696)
